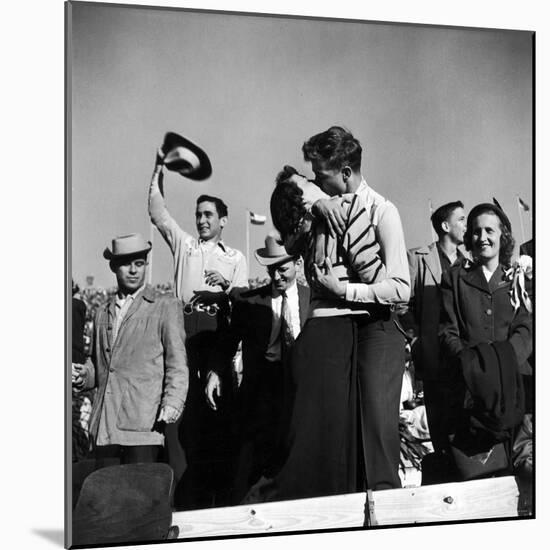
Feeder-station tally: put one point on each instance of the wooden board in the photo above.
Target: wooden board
(340, 511)
(482, 499)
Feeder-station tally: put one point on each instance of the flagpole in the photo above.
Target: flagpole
(247, 223)
(520, 220)
(432, 232)
(150, 261)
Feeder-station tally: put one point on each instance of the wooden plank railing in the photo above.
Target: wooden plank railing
(481, 499)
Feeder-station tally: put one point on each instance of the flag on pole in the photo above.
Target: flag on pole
(257, 219)
(523, 205)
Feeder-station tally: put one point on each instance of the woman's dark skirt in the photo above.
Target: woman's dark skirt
(321, 447)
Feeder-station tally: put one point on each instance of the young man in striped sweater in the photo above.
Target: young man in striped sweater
(365, 235)
(335, 157)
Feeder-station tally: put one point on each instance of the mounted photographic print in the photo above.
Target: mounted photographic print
(301, 255)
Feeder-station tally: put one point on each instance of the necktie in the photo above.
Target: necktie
(287, 336)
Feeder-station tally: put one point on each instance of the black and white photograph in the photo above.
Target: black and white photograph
(302, 281)
(299, 294)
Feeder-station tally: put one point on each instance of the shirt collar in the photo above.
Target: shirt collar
(120, 298)
(220, 243)
(362, 186)
(291, 291)
(443, 254)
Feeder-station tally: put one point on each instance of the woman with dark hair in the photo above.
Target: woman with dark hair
(321, 455)
(486, 333)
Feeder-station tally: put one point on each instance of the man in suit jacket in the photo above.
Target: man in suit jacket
(427, 265)
(266, 320)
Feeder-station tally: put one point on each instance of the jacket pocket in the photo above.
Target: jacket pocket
(139, 406)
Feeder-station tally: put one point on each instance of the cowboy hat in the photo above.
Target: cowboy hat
(183, 156)
(273, 252)
(127, 245)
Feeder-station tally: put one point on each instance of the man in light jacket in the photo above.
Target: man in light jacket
(139, 363)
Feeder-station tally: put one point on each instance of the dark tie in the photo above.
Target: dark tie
(287, 336)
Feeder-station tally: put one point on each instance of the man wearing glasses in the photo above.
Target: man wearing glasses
(266, 320)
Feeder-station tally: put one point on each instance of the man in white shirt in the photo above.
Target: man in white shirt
(267, 320)
(335, 157)
(205, 271)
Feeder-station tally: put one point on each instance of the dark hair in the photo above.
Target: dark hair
(507, 241)
(221, 207)
(442, 214)
(335, 148)
(286, 205)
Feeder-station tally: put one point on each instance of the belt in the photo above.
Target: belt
(209, 309)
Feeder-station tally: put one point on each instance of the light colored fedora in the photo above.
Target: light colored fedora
(273, 252)
(127, 245)
(186, 158)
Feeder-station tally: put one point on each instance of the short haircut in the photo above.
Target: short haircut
(507, 241)
(335, 148)
(287, 204)
(221, 207)
(442, 214)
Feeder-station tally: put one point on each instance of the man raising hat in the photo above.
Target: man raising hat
(206, 270)
(267, 320)
(138, 363)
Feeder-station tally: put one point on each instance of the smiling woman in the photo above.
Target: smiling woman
(487, 336)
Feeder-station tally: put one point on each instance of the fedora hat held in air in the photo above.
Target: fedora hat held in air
(183, 156)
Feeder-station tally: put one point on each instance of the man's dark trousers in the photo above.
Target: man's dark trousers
(380, 367)
(203, 457)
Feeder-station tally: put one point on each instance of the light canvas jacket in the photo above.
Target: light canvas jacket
(143, 369)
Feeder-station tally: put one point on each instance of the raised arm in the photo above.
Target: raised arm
(160, 217)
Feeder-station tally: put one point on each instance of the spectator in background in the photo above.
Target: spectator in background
(427, 265)
(138, 362)
(78, 322)
(80, 439)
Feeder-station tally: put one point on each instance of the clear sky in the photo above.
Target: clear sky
(442, 114)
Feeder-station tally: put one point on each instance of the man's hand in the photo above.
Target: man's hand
(78, 376)
(168, 414)
(214, 278)
(333, 212)
(213, 386)
(159, 160)
(328, 281)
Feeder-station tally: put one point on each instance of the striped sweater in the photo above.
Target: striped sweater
(354, 256)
